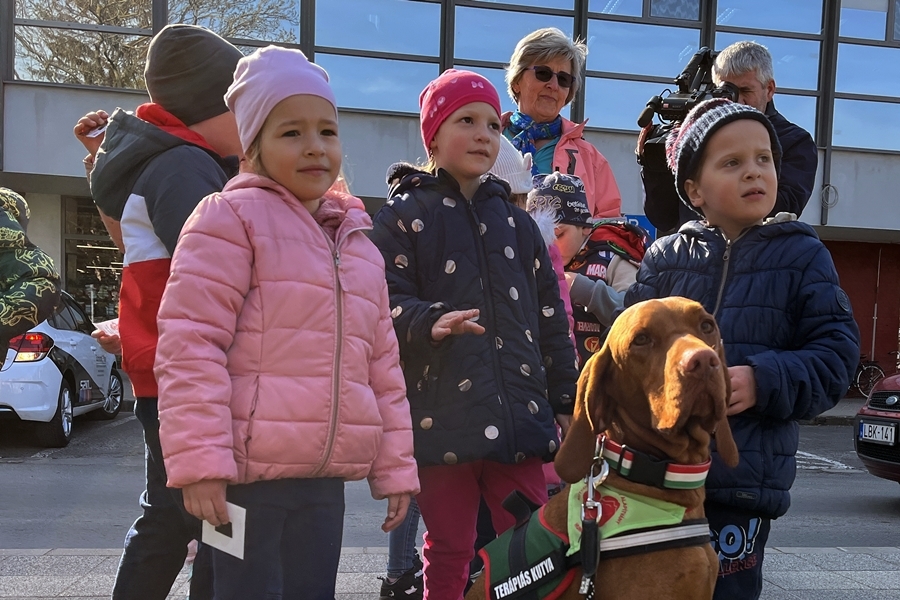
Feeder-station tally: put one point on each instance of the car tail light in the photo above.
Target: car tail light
(31, 347)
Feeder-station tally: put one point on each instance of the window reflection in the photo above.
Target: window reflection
(632, 8)
(266, 20)
(803, 16)
(640, 49)
(374, 83)
(135, 13)
(864, 18)
(795, 62)
(675, 9)
(868, 70)
(616, 104)
(563, 4)
(800, 110)
(380, 25)
(483, 34)
(80, 57)
(861, 124)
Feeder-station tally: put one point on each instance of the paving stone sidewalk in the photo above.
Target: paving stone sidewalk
(791, 574)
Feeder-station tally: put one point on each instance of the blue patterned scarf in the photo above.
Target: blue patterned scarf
(526, 132)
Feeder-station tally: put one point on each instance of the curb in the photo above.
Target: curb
(837, 420)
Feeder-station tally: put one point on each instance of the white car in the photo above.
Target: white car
(57, 371)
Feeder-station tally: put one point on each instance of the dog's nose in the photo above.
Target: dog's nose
(699, 361)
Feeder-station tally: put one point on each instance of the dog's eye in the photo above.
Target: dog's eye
(641, 339)
(707, 326)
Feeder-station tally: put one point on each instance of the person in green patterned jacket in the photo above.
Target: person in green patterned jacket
(29, 283)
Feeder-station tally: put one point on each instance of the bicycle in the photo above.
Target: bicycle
(868, 373)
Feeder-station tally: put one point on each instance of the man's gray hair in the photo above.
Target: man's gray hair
(744, 57)
(540, 47)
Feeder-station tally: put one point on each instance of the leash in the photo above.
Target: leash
(590, 513)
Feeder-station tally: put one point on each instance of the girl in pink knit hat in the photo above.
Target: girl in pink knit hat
(482, 329)
(278, 368)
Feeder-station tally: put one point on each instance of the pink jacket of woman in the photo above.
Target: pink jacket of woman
(277, 357)
(574, 155)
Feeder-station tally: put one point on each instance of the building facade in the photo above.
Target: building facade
(837, 68)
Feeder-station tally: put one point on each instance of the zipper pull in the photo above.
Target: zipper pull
(727, 250)
(337, 258)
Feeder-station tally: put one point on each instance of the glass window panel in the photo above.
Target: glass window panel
(868, 70)
(373, 83)
(795, 62)
(135, 13)
(94, 266)
(896, 20)
(379, 25)
(616, 104)
(864, 18)
(800, 110)
(631, 8)
(860, 124)
(81, 217)
(675, 9)
(640, 49)
(80, 57)
(266, 20)
(483, 34)
(804, 16)
(563, 4)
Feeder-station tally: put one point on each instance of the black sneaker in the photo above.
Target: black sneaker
(409, 586)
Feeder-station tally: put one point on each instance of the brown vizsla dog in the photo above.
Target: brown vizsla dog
(659, 385)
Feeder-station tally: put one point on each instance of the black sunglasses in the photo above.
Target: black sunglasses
(545, 74)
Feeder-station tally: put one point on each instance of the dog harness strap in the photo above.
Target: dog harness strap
(519, 506)
(642, 468)
(518, 559)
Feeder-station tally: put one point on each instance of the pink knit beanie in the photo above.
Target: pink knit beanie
(450, 91)
(267, 77)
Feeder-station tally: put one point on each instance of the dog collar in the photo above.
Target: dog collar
(643, 468)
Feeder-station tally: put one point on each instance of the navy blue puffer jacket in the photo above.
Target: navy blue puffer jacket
(775, 294)
(491, 396)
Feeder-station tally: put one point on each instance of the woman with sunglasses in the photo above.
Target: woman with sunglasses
(544, 72)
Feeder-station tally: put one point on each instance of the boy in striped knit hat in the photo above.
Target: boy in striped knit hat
(790, 339)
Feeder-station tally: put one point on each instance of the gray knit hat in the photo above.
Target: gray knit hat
(685, 145)
(188, 71)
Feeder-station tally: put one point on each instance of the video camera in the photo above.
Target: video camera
(695, 84)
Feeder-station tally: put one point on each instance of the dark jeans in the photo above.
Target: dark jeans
(156, 545)
(739, 538)
(293, 532)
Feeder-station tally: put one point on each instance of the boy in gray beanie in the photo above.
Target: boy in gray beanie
(151, 170)
(790, 339)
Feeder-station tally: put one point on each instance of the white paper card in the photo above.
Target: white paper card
(233, 545)
(110, 327)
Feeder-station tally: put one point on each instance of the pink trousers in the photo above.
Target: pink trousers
(449, 504)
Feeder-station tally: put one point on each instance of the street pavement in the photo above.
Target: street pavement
(791, 573)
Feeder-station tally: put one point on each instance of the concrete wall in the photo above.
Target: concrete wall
(45, 227)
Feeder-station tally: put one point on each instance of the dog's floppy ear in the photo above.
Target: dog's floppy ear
(575, 456)
(724, 440)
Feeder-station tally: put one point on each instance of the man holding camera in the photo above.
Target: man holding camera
(748, 67)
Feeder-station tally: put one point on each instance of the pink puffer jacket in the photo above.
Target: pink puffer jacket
(277, 357)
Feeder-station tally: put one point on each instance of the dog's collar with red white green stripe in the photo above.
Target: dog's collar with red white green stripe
(643, 468)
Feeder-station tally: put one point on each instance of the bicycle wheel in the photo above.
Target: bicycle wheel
(867, 377)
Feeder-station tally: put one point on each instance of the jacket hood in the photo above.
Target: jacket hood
(128, 146)
(336, 209)
(13, 220)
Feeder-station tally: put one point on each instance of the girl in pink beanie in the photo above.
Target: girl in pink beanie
(482, 329)
(278, 368)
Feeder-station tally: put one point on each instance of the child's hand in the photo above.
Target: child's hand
(456, 323)
(206, 501)
(743, 389)
(87, 124)
(110, 343)
(396, 512)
